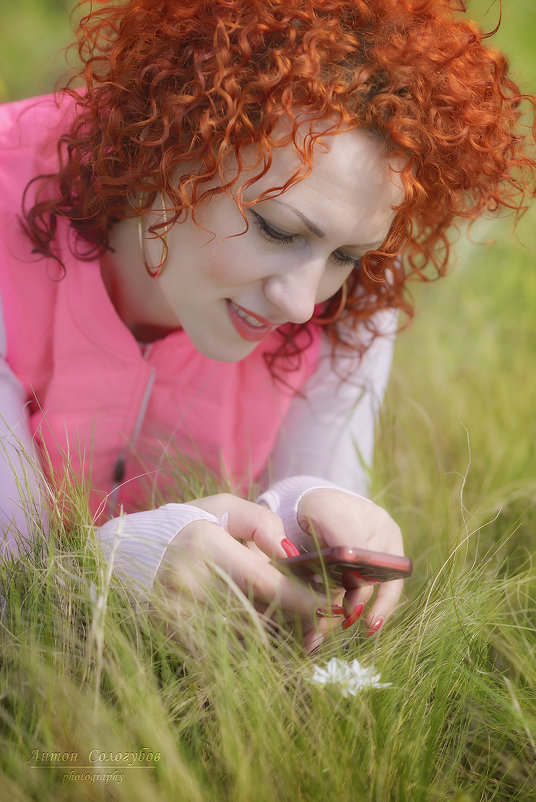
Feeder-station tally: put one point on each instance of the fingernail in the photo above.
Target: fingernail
(355, 573)
(334, 611)
(369, 579)
(376, 624)
(354, 615)
(289, 548)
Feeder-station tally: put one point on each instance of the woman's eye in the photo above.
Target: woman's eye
(271, 233)
(345, 259)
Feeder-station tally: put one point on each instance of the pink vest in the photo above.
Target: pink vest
(112, 410)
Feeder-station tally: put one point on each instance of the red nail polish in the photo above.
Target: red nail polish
(354, 615)
(376, 624)
(355, 573)
(334, 611)
(289, 548)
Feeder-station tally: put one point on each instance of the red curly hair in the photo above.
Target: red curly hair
(177, 81)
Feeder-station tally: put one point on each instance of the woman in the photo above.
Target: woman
(209, 264)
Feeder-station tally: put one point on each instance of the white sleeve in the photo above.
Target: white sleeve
(21, 502)
(134, 545)
(329, 432)
(327, 439)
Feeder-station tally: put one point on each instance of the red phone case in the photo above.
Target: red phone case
(346, 566)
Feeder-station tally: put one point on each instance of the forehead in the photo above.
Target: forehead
(351, 189)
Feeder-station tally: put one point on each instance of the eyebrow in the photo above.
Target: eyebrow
(309, 223)
(315, 229)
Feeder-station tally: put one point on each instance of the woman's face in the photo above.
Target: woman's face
(229, 292)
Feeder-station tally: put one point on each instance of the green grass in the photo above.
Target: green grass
(237, 719)
(33, 36)
(463, 389)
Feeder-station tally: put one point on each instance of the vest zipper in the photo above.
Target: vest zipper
(119, 469)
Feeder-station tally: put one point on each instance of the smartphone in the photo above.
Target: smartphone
(346, 566)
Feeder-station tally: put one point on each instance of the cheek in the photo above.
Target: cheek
(233, 260)
(331, 283)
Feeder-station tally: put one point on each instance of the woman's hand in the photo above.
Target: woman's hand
(186, 576)
(342, 519)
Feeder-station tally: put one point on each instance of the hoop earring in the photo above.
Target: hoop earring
(324, 321)
(154, 271)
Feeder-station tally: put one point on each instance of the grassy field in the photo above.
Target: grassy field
(221, 718)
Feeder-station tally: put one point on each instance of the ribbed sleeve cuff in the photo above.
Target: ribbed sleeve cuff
(135, 544)
(284, 498)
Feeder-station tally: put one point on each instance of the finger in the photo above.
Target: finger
(354, 604)
(315, 632)
(333, 515)
(248, 521)
(385, 602)
(266, 584)
(360, 595)
(253, 575)
(312, 640)
(256, 550)
(325, 621)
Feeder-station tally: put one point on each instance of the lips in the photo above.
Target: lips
(250, 326)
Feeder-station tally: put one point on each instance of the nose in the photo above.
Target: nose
(294, 291)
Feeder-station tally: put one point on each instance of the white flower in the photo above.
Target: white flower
(350, 678)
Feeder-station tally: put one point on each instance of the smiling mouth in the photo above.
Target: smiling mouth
(251, 317)
(250, 327)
